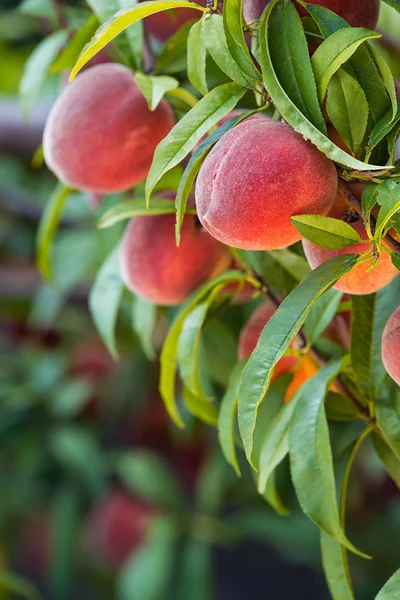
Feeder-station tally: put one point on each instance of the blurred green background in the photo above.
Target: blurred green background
(100, 495)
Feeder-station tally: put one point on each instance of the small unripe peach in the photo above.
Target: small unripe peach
(256, 178)
(154, 268)
(391, 346)
(250, 335)
(360, 280)
(101, 135)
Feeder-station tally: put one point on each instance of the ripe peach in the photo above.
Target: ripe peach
(117, 527)
(156, 269)
(359, 13)
(360, 280)
(250, 335)
(391, 346)
(100, 135)
(255, 178)
(164, 24)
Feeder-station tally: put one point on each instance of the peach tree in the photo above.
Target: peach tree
(230, 133)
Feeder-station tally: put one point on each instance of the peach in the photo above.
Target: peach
(360, 280)
(257, 176)
(391, 346)
(358, 13)
(100, 136)
(164, 24)
(250, 335)
(154, 268)
(117, 527)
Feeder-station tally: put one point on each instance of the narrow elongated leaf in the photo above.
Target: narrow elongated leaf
(388, 458)
(156, 555)
(391, 590)
(276, 337)
(196, 571)
(347, 108)
(201, 408)
(144, 316)
(150, 478)
(196, 57)
(335, 51)
(70, 54)
(227, 418)
(396, 260)
(321, 314)
(154, 87)
(291, 60)
(48, 227)
(394, 4)
(389, 199)
(335, 566)
(311, 455)
(37, 67)
(137, 208)
(169, 352)
(326, 232)
(233, 28)
(388, 415)
(386, 75)
(217, 46)
(188, 131)
(289, 110)
(104, 300)
(281, 269)
(382, 128)
(10, 582)
(370, 315)
(123, 19)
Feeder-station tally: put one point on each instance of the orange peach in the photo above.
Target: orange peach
(100, 136)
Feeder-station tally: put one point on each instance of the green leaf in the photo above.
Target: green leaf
(188, 131)
(389, 200)
(281, 269)
(123, 19)
(38, 8)
(104, 300)
(153, 87)
(130, 43)
(289, 110)
(227, 418)
(385, 74)
(394, 4)
(169, 352)
(156, 555)
(338, 408)
(137, 208)
(233, 28)
(196, 571)
(70, 54)
(382, 128)
(335, 51)
(396, 260)
(321, 314)
(196, 57)
(173, 56)
(326, 232)
(276, 337)
(347, 108)
(276, 444)
(290, 57)
(391, 590)
(10, 582)
(146, 475)
(334, 560)
(144, 316)
(369, 199)
(311, 455)
(48, 227)
(217, 46)
(37, 67)
(388, 458)
(201, 408)
(194, 164)
(388, 415)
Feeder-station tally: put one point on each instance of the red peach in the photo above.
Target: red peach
(101, 135)
(164, 24)
(257, 176)
(391, 346)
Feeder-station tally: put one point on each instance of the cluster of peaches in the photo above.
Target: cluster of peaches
(101, 136)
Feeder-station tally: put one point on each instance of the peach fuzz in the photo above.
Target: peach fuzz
(164, 24)
(358, 13)
(391, 346)
(257, 176)
(154, 268)
(250, 335)
(100, 136)
(359, 280)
